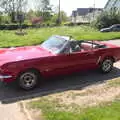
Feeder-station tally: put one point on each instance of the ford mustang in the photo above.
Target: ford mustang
(59, 55)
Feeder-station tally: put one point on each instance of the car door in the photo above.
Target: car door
(116, 28)
(73, 62)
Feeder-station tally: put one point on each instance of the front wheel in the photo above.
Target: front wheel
(107, 65)
(28, 80)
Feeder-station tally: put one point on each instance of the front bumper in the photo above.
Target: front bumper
(4, 77)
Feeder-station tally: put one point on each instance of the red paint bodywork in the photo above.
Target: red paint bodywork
(13, 61)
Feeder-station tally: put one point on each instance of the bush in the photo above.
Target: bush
(24, 26)
(106, 19)
(13, 27)
(73, 24)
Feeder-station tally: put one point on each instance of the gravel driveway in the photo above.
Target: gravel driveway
(10, 96)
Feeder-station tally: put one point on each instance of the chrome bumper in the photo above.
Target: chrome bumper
(2, 77)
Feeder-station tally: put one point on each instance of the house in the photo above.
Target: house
(85, 15)
(112, 4)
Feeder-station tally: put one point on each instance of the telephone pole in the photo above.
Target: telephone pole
(59, 15)
(94, 10)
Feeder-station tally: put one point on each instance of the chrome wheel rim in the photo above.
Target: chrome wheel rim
(28, 80)
(107, 65)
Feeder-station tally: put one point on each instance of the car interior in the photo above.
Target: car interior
(84, 46)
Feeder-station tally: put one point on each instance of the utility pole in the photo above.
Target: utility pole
(20, 15)
(94, 10)
(59, 15)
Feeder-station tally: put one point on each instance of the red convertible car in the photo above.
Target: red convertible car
(56, 56)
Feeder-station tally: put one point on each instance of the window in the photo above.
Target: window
(54, 44)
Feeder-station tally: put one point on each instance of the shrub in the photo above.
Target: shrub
(107, 18)
(13, 27)
(73, 24)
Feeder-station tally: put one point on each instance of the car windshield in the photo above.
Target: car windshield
(113, 26)
(54, 44)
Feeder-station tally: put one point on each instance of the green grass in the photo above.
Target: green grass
(36, 36)
(54, 111)
(114, 83)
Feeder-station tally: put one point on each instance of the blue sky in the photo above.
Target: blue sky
(69, 5)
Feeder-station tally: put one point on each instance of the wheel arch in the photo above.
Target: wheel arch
(108, 57)
(30, 69)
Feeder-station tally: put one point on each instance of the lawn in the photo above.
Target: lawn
(98, 102)
(110, 111)
(36, 36)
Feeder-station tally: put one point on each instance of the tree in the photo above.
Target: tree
(13, 7)
(31, 14)
(63, 17)
(107, 18)
(42, 5)
(44, 9)
(0, 17)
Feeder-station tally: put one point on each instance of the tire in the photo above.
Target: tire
(28, 80)
(106, 66)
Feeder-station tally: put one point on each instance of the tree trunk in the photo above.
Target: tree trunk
(13, 20)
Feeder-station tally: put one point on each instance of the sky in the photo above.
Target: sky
(69, 5)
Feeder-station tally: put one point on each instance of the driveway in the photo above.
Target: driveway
(116, 42)
(10, 95)
(11, 112)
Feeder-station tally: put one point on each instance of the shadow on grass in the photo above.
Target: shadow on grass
(11, 94)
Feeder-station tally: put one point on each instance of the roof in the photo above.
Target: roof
(84, 11)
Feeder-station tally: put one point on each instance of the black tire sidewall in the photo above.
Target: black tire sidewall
(28, 88)
(101, 66)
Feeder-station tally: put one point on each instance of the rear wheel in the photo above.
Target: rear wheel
(28, 80)
(107, 65)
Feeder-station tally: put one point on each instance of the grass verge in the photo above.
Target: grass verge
(68, 105)
(54, 111)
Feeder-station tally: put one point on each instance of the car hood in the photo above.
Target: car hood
(22, 53)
